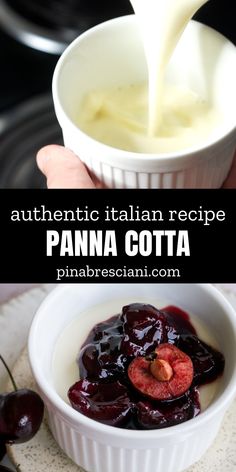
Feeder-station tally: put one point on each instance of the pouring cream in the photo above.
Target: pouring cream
(152, 117)
(161, 23)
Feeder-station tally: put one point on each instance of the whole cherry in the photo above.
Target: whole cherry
(21, 413)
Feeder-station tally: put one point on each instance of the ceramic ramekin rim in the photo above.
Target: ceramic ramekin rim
(162, 158)
(77, 419)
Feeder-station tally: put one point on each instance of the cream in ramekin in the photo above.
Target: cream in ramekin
(111, 55)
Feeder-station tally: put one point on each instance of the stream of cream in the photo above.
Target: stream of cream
(161, 23)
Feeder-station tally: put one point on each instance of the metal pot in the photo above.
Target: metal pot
(50, 26)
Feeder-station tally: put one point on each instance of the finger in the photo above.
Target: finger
(230, 182)
(62, 168)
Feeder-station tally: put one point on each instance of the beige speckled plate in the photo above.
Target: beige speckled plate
(42, 453)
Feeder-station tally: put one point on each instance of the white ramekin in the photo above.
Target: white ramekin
(101, 448)
(112, 54)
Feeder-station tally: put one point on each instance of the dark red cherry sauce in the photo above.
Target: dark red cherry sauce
(105, 392)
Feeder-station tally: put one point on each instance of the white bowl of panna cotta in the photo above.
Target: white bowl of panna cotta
(59, 330)
(111, 56)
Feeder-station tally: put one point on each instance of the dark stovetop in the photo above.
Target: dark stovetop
(71, 15)
(32, 126)
(27, 119)
(24, 72)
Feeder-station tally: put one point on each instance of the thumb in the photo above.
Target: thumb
(62, 168)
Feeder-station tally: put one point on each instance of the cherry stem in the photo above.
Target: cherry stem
(9, 373)
(151, 357)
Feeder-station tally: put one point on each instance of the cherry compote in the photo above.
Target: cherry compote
(141, 369)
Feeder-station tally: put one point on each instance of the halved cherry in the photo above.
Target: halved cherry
(168, 376)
